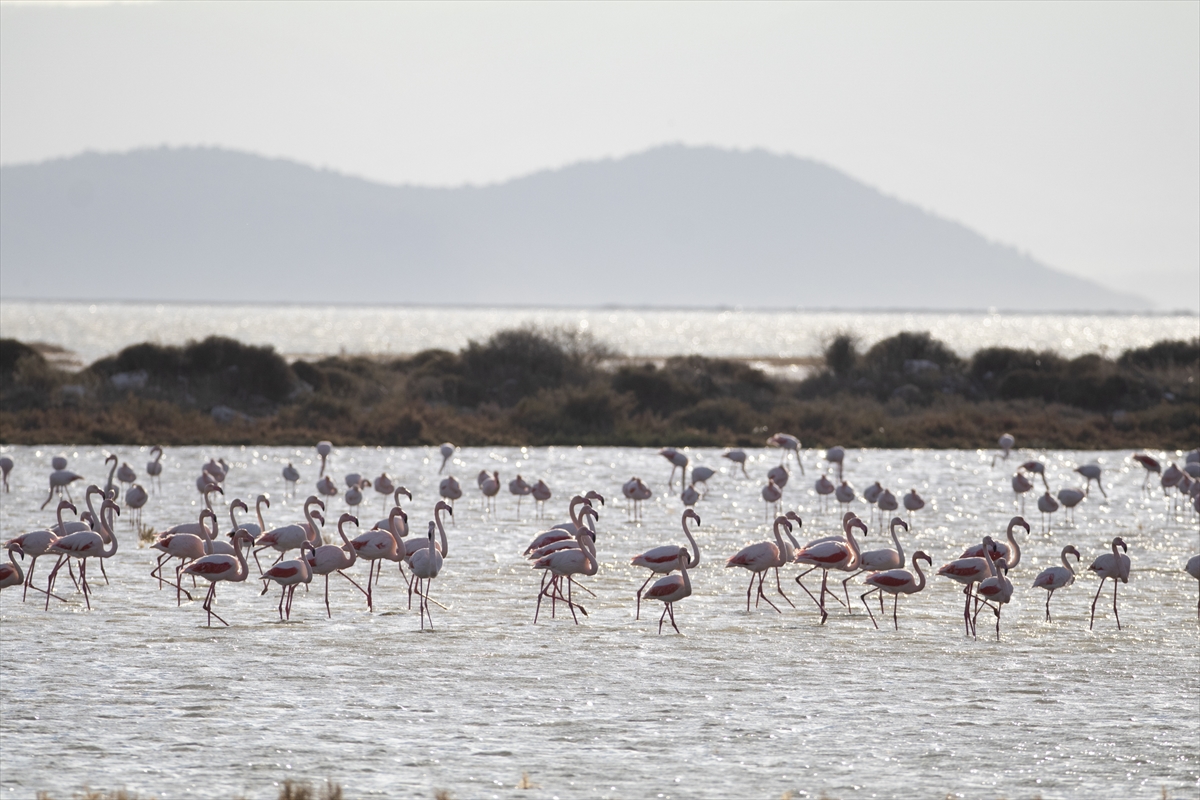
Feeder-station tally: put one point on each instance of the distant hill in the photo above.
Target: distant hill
(673, 226)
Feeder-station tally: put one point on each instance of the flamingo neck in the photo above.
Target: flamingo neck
(1016, 548)
(1067, 563)
(916, 565)
(437, 518)
(106, 526)
(695, 562)
(899, 549)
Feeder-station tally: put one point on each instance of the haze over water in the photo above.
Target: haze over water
(138, 693)
(92, 331)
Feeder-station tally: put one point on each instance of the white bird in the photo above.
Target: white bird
(426, 563)
(789, 444)
(836, 455)
(324, 448)
(1110, 565)
(1054, 578)
(666, 559)
(738, 457)
(896, 582)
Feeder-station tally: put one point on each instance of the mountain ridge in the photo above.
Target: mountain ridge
(673, 226)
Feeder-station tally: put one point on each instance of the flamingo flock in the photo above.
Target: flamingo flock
(569, 552)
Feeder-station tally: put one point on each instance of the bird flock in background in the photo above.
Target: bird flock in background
(566, 552)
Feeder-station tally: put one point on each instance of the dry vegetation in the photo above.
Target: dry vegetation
(530, 387)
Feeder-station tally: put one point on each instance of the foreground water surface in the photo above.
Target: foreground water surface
(138, 693)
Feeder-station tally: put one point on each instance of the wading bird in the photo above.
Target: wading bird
(1110, 565)
(666, 559)
(1054, 578)
(896, 582)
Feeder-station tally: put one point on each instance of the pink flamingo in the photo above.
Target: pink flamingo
(1110, 565)
(789, 444)
(1021, 485)
(291, 476)
(567, 564)
(154, 467)
(689, 495)
(1069, 499)
(771, 495)
(324, 448)
(327, 488)
(255, 530)
(1011, 552)
(760, 557)
(1054, 578)
(6, 466)
(779, 475)
(1007, 443)
(449, 489)
(880, 560)
(376, 545)
(701, 475)
(968, 571)
(994, 591)
(738, 457)
(288, 574)
(541, 493)
(1047, 505)
(447, 451)
(409, 548)
(679, 461)
(184, 546)
(82, 545)
(828, 555)
(426, 563)
(36, 544)
(288, 537)
(221, 567)
(1092, 472)
(10, 573)
(896, 582)
(354, 494)
(666, 559)
(490, 487)
(334, 558)
(1192, 568)
(1151, 466)
(836, 455)
(670, 590)
(519, 488)
(60, 482)
(824, 488)
(385, 486)
(562, 531)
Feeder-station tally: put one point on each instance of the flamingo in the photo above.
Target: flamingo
(1054, 578)
(1092, 473)
(125, 474)
(10, 573)
(789, 444)
(185, 546)
(701, 475)
(221, 567)
(666, 559)
(566, 564)
(1037, 468)
(995, 591)
(426, 563)
(670, 590)
(334, 558)
(871, 496)
(291, 476)
(1110, 565)
(886, 502)
(60, 482)
(135, 500)
(738, 457)
(82, 545)
(1047, 505)
(1021, 485)
(1150, 465)
(844, 494)
(896, 582)
(110, 491)
(836, 455)
(689, 495)
(760, 557)
(354, 494)
(385, 486)
(37, 543)
(217, 468)
(1069, 499)
(771, 495)
(1011, 552)
(324, 448)
(288, 574)
(288, 537)
(387, 522)
(913, 503)
(154, 466)
(327, 488)
(679, 461)
(779, 475)
(58, 462)
(564, 530)
(519, 488)
(1007, 443)
(410, 547)
(375, 545)
(541, 493)
(450, 489)
(824, 488)
(832, 554)
(6, 466)
(641, 493)
(253, 529)
(968, 571)
(1192, 568)
(447, 450)
(490, 487)
(880, 560)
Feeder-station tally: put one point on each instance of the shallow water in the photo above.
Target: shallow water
(92, 331)
(138, 693)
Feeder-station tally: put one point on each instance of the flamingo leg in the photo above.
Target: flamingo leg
(1048, 596)
(1116, 584)
(88, 599)
(660, 619)
(867, 605)
(328, 613)
(1099, 589)
(895, 604)
(157, 571)
(638, 615)
(671, 611)
(824, 579)
(749, 589)
(356, 586)
(805, 588)
(780, 589)
(763, 596)
(846, 589)
(102, 572)
(256, 561)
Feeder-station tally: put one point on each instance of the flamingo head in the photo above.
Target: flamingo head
(111, 458)
(1071, 549)
(238, 503)
(400, 490)
(691, 513)
(921, 554)
(897, 521)
(1015, 521)
(1119, 542)
(444, 506)
(794, 516)
(64, 505)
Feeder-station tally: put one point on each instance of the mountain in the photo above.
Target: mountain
(673, 226)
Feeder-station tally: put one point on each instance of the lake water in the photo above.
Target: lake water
(91, 331)
(138, 693)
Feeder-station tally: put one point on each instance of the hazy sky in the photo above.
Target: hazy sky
(1069, 130)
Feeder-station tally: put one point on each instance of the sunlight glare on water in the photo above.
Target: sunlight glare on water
(138, 693)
